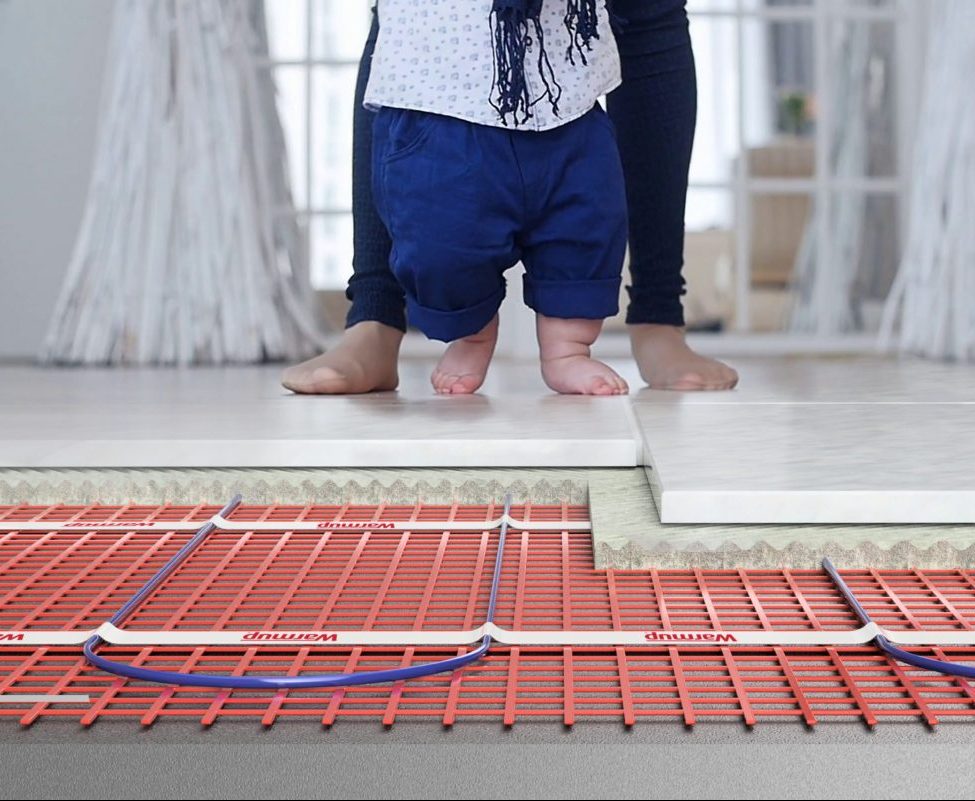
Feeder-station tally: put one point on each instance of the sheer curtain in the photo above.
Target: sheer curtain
(930, 310)
(837, 285)
(181, 257)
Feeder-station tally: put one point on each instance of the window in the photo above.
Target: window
(798, 163)
(315, 47)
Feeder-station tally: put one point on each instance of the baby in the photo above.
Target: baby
(490, 148)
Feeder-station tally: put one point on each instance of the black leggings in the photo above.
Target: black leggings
(655, 112)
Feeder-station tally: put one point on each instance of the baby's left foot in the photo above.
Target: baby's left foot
(567, 366)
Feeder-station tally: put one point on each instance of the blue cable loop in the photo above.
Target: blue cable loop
(285, 682)
(885, 645)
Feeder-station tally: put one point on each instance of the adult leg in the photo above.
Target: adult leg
(655, 112)
(365, 358)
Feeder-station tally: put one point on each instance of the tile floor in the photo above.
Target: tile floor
(242, 417)
(815, 440)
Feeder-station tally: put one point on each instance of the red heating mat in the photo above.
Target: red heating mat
(76, 579)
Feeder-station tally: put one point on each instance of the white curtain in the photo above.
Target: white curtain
(834, 284)
(931, 309)
(188, 252)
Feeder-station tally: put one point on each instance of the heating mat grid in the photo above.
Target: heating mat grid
(77, 574)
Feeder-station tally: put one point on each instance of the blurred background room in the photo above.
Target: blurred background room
(799, 216)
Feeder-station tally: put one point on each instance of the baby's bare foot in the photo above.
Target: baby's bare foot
(566, 364)
(363, 361)
(667, 362)
(464, 366)
(581, 375)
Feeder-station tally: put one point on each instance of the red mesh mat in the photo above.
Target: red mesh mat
(76, 579)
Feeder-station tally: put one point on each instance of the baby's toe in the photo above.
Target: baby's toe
(439, 382)
(599, 385)
(464, 385)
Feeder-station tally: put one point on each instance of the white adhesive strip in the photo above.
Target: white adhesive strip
(65, 698)
(223, 524)
(114, 636)
(44, 637)
(930, 637)
(702, 638)
(110, 634)
(405, 525)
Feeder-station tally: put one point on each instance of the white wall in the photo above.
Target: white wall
(51, 58)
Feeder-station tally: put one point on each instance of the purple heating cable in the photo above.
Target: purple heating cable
(885, 645)
(283, 682)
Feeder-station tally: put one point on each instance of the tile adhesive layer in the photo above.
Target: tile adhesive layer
(626, 528)
(628, 534)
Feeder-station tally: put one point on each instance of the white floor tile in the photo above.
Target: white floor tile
(811, 463)
(241, 417)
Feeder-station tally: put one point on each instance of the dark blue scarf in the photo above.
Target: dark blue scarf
(517, 26)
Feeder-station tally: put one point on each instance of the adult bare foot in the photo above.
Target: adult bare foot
(567, 367)
(363, 361)
(667, 362)
(463, 368)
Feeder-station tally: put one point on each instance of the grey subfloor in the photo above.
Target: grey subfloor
(536, 760)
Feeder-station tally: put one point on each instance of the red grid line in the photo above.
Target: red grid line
(440, 580)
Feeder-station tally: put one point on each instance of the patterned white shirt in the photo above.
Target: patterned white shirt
(437, 56)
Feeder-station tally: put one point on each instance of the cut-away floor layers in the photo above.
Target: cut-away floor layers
(627, 532)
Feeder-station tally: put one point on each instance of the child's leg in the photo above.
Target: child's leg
(574, 248)
(450, 194)
(567, 366)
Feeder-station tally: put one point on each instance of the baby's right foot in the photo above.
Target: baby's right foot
(464, 366)
(582, 375)
(567, 366)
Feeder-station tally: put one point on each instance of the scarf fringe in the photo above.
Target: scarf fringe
(582, 23)
(517, 27)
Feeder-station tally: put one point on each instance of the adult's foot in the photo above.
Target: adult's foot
(666, 361)
(364, 360)
(463, 368)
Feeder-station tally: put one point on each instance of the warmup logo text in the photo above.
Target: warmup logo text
(290, 636)
(7, 636)
(689, 636)
(108, 524)
(355, 526)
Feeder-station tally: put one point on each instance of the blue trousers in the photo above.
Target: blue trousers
(466, 202)
(655, 111)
